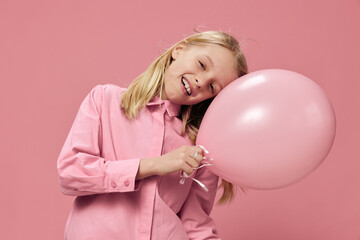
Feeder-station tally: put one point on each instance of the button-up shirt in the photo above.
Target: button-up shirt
(99, 162)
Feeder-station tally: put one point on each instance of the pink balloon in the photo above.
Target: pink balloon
(268, 129)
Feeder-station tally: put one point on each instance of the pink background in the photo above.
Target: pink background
(53, 52)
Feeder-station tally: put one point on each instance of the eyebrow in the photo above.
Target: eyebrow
(209, 59)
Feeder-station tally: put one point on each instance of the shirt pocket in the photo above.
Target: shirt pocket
(172, 192)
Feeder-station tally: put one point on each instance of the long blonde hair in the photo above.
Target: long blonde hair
(150, 84)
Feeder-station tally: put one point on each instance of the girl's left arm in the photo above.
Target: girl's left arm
(195, 212)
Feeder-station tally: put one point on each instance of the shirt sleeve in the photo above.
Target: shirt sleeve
(195, 212)
(81, 169)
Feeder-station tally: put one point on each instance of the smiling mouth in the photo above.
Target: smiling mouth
(186, 84)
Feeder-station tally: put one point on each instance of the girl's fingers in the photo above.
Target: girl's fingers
(192, 163)
(188, 169)
(203, 148)
(197, 154)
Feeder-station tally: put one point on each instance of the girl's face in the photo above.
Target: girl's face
(198, 72)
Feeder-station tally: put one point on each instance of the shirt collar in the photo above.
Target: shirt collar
(172, 108)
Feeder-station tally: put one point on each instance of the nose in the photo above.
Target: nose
(200, 84)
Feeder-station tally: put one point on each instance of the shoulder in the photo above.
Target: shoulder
(102, 92)
(107, 89)
(104, 95)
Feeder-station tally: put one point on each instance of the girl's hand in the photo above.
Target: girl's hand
(185, 158)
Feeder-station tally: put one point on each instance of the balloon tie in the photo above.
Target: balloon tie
(204, 163)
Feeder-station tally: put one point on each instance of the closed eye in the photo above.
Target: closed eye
(202, 65)
(212, 87)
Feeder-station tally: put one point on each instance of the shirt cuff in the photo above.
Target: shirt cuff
(121, 175)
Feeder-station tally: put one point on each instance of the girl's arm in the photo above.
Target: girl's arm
(81, 169)
(180, 159)
(195, 212)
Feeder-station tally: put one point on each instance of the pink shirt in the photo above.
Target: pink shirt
(99, 162)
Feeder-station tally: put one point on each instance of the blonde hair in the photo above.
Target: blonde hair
(150, 84)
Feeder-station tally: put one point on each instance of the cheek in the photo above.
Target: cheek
(169, 82)
(170, 73)
(191, 66)
(184, 66)
(172, 70)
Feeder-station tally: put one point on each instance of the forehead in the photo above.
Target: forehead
(223, 61)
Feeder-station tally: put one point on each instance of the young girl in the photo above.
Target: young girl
(128, 148)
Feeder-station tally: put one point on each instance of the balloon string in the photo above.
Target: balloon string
(204, 164)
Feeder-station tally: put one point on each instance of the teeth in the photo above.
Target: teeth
(187, 87)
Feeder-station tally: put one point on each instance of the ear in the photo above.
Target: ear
(180, 47)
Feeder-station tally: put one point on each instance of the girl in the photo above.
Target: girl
(127, 147)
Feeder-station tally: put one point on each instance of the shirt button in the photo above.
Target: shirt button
(113, 184)
(126, 183)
